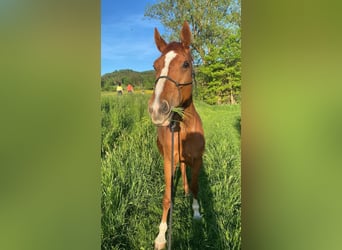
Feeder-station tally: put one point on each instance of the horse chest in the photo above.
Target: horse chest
(192, 146)
(188, 144)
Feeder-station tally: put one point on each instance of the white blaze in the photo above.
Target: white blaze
(160, 84)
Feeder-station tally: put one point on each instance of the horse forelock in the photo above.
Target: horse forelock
(178, 48)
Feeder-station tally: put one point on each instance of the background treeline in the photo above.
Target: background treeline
(140, 80)
(209, 87)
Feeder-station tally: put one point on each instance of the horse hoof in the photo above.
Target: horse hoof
(159, 245)
(197, 216)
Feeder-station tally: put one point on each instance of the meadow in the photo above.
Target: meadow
(132, 180)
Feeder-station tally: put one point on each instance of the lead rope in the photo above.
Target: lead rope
(172, 127)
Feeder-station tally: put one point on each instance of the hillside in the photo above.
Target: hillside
(140, 80)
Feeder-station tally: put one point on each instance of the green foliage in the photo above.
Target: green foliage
(220, 75)
(132, 180)
(210, 21)
(215, 45)
(140, 80)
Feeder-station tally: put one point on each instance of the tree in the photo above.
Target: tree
(211, 21)
(215, 26)
(221, 75)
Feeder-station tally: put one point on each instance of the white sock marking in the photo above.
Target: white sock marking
(161, 236)
(195, 207)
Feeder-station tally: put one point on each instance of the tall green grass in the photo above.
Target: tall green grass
(133, 180)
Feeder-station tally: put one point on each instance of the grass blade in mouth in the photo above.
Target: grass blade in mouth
(179, 111)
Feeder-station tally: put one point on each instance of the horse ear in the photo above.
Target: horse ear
(185, 35)
(161, 44)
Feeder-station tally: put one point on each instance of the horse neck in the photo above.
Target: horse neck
(188, 104)
(190, 112)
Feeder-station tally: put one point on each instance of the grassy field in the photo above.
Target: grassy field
(133, 181)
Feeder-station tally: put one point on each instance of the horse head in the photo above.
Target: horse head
(173, 85)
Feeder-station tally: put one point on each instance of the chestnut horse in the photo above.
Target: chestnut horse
(173, 91)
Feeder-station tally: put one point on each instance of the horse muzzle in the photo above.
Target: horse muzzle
(160, 114)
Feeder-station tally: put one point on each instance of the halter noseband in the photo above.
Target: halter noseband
(175, 82)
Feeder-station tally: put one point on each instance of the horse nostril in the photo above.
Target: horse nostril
(164, 107)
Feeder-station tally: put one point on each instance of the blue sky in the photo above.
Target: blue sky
(127, 40)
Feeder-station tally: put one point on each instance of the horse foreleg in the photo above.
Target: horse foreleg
(160, 241)
(194, 186)
(184, 178)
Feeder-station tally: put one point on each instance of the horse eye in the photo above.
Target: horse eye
(186, 64)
